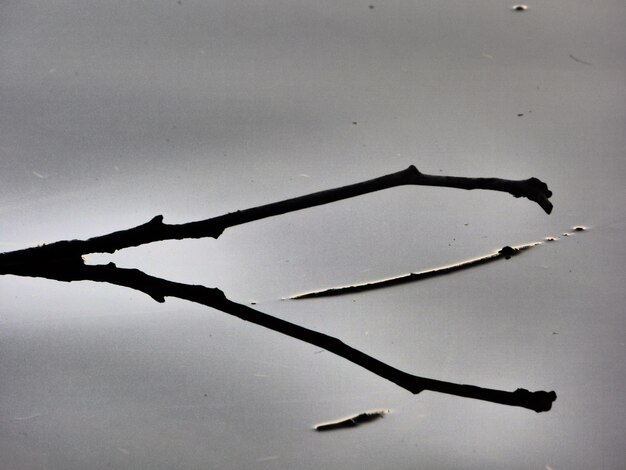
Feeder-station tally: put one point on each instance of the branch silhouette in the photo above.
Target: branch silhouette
(158, 289)
(62, 261)
(155, 230)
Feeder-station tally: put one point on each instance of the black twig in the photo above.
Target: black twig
(155, 230)
(158, 289)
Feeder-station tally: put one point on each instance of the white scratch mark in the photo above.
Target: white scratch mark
(26, 418)
(267, 459)
(123, 451)
(39, 175)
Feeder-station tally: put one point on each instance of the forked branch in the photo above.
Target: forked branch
(63, 261)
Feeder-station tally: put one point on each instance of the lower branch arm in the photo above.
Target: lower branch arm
(158, 289)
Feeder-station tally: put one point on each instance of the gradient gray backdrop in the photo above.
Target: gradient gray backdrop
(112, 112)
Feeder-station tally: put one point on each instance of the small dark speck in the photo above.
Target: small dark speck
(555, 333)
(179, 2)
(579, 60)
(519, 7)
(371, 7)
(354, 122)
(579, 229)
(206, 394)
(252, 303)
(520, 115)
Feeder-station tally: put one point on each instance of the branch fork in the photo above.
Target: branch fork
(63, 261)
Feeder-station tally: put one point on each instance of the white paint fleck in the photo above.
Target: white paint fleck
(26, 418)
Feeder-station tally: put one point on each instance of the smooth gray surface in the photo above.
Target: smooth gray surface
(113, 112)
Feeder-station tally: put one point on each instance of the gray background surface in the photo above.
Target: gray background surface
(113, 112)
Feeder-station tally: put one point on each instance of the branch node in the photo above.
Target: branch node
(413, 169)
(508, 251)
